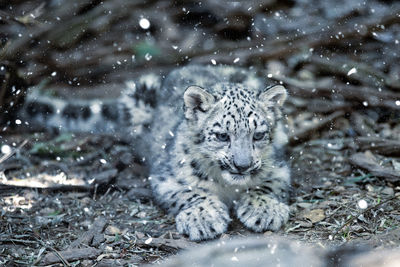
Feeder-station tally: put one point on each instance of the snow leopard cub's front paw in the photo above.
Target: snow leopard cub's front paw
(262, 212)
(204, 220)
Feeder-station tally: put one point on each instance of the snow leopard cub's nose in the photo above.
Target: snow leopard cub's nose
(242, 164)
(242, 157)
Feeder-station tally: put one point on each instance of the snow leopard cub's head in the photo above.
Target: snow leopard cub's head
(234, 129)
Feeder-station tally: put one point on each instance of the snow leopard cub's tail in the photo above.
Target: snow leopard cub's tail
(128, 114)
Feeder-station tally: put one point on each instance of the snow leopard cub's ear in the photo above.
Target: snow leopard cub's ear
(196, 99)
(274, 96)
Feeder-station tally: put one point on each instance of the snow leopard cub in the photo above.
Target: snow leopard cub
(220, 154)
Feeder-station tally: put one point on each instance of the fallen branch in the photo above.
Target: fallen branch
(56, 182)
(305, 133)
(363, 73)
(386, 147)
(14, 240)
(323, 106)
(363, 161)
(174, 244)
(378, 145)
(331, 88)
(70, 255)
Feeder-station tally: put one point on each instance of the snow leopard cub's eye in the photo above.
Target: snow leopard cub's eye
(223, 137)
(259, 136)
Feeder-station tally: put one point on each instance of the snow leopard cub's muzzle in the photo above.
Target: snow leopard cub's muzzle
(240, 162)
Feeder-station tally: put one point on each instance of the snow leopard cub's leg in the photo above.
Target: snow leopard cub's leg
(265, 207)
(205, 218)
(198, 213)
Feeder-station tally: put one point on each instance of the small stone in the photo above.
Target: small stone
(112, 230)
(141, 215)
(388, 191)
(304, 205)
(369, 188)
(339, 188)
(140, 235)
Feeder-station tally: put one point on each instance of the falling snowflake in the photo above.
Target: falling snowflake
(352, 71)
(362, 204)
(148, 56)
(5, 149)
(144, 23)
(234, 258)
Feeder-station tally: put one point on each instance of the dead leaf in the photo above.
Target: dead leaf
(314, 216)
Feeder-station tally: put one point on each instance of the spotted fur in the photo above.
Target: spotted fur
(212, 136)
(126, 115)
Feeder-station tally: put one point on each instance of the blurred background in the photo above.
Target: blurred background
(91, 43)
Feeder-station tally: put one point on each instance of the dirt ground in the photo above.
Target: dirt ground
(84, 200)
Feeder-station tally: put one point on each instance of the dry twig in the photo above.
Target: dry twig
(174, 244)
(351, 218)
(71, 255)
(87, 237)
(7, 156)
